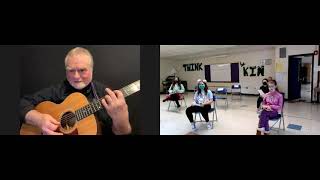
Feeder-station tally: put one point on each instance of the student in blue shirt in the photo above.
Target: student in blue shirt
(175, 91)
(203, 99)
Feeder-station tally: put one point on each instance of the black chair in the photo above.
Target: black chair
(236, 90)
(222, 93)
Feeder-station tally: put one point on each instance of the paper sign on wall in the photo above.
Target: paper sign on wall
(193, 67)
(252, 70)
(279, 67)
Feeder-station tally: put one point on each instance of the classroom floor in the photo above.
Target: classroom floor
(306, 92)
(239, 118)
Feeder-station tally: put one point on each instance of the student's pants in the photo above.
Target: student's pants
(174, 97)
(203, 110)
(264, 118)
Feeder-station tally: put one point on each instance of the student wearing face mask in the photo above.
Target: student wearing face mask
(175, 91)
(272, 106)
(265, 90)
(203, 99)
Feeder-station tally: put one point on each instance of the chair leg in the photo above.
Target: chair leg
(195, 116)
(215, 111)
(169, 105)
(227, 101)
(212, 117)
(280, 122)
(274, 124)
(283, 123)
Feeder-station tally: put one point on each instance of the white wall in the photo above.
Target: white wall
(249, 84)
(294, 50)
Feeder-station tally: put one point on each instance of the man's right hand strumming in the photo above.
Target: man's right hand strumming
(45, 122)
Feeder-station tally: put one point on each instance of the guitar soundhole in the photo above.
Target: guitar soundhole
(68, 120)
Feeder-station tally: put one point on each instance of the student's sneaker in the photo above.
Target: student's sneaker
(193, 126)
(267, 132)
(209, 125)
(260, 131)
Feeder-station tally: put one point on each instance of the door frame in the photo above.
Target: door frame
(312, 69)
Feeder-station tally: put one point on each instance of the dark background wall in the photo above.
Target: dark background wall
(10, 56)
(114, 65)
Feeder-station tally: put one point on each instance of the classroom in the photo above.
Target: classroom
(232, 78)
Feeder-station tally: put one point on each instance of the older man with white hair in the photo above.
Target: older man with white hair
(79, 71)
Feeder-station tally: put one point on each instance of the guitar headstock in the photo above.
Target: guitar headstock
(131, 88)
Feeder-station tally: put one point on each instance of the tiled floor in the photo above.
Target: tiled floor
(306, 92)
(240, 118)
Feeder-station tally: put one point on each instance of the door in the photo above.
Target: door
(294, 82)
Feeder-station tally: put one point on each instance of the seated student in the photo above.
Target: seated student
(265, 90)
(272, 106)
(203, 98)
(175, 91)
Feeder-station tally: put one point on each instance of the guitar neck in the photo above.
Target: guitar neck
(131, 88)
(96, 105)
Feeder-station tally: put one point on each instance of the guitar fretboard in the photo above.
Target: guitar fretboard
(89, 109)
(96, 105)
(131, 88)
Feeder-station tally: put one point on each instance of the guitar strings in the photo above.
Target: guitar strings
(65, 119)
(70, 116)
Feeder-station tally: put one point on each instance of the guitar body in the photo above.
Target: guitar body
(75, 113)
(86, 126)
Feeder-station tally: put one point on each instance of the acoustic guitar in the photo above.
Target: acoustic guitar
(75, 113)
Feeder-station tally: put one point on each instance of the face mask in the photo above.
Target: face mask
(265, 83)
(202, 86)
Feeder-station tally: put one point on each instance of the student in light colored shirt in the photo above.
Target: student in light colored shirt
(175, 91)
(203, 98)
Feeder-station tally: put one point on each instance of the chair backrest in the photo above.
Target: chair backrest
(214, 103)
(222, 91)
(236, 86)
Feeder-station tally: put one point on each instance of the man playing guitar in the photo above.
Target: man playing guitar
(114, 116)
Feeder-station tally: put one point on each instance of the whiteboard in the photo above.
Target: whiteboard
(220, 72)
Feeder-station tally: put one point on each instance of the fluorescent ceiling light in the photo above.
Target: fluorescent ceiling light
(220, 56)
